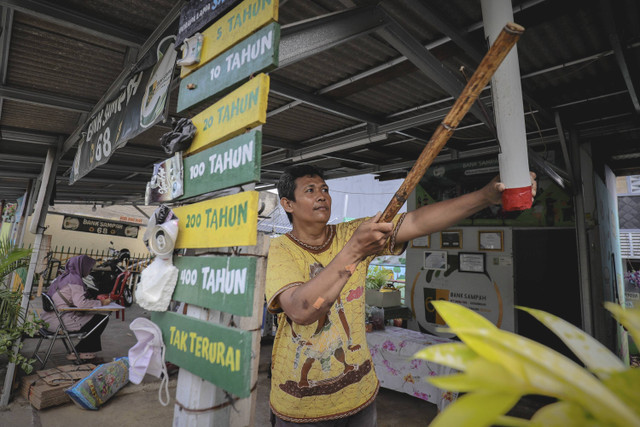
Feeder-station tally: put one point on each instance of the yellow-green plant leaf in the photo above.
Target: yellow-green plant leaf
(628, 317)
(455, 355)
(562, 414)
(550, 373)
(475, 410)
(461, 383)
(482, 375)
(544, 370)
(626, 385)
(591, 352)
(459, 316)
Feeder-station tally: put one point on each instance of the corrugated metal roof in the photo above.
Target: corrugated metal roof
(58, 68)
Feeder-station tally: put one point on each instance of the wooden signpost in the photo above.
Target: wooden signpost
(218, 282)
(237, 24)
(216, 223)
(257, 53)
(244, 108)
(231, 163)
(216, 353)
(216, 342)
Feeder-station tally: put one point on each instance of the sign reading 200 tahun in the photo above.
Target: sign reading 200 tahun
(216, 223)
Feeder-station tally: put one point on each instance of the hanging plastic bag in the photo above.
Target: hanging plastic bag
(179, 138)
(147, 356)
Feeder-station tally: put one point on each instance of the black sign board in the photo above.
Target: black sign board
(140, 103)
(197, 14)
(99, 226)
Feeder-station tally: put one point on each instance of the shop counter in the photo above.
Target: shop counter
(392, 350)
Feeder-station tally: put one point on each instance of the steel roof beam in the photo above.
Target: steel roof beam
(70, 18)
(284, 89)
(619, 52)
(45, 99)
(312, 36)
(27, 136)
(5, 41)
(442, 24)
(422, 58)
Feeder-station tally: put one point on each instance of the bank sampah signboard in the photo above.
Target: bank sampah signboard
(138, 105)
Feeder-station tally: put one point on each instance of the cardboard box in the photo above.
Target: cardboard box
(382, 299)
(46, 388)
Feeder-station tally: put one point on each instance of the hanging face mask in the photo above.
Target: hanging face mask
(147, 356)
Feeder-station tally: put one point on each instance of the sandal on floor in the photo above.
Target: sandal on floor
(83, 356)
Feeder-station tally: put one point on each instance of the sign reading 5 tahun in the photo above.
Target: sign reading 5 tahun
(241, 21)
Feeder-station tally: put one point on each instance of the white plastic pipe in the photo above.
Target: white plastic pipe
(509, 112)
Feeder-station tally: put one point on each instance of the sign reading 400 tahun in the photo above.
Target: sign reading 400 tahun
(224, 283)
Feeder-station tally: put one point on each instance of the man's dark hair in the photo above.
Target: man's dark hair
(287, 182)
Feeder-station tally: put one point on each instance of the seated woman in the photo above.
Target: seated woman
(68, 290)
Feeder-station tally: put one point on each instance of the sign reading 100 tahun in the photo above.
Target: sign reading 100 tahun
(231, 163)
(216, 353)
(217, 282)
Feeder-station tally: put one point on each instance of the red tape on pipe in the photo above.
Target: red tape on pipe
(516, 199)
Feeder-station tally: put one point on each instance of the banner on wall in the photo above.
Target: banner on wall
(138, 105)
(99, 226)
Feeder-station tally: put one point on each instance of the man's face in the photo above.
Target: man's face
(313, 202)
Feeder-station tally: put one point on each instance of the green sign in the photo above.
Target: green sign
(219, 283)
(257, 53)
(234, 162)
(216, 353)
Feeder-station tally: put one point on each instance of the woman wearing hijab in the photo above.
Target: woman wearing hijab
(68, 290)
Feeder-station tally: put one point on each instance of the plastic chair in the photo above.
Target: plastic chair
(117, 293)
(61, 333)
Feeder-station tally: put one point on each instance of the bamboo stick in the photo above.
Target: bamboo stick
(496, 54)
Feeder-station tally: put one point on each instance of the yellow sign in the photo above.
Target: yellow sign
(216, 223)
(244, 19)
(242, 109)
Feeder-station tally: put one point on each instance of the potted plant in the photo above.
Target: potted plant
(14, 323)
(379, 291)
(499, 368)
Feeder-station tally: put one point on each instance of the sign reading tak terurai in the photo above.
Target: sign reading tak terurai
(244, 108)
(216, 223)
(219, 283)
(218, 354)
(255, 54)
(231, 163)
(241, 21)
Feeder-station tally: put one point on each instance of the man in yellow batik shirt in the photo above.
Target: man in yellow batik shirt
(322, 372)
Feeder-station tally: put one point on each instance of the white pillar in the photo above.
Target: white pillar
(509, 112)
(37, 224)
